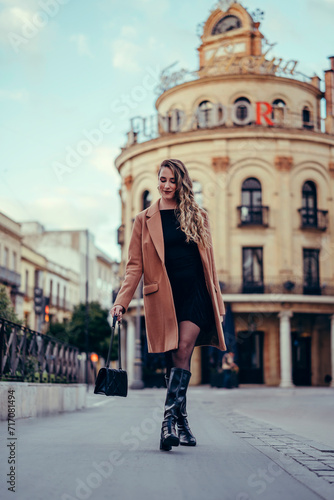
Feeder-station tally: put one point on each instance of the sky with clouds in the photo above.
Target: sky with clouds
(68, 71)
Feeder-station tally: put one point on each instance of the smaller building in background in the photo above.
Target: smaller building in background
(10, 260)
(45, 272)
(75, 250)
(62, 290)
(107, 278)
(50, 291)
(33, 267)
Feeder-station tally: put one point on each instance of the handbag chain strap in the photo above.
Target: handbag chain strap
(111, 343)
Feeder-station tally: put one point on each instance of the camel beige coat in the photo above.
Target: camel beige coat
(146, 255)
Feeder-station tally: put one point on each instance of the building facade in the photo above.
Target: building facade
(75, 250)
(10, 260)
(260, 152)
(54, 263)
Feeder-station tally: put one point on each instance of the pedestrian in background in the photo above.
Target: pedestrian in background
(234, 372)
(230, 371)
(171, 245)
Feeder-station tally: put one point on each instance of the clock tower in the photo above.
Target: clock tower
(229, 34)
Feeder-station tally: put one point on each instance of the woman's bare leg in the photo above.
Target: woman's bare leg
(188, 333)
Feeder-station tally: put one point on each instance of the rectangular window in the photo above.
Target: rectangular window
(311, 271)
(5, 257)
(26, 318)
(14, 261)
(37, 276)
(64, 303)
(51, 286)
(252, 269)
(26, 288)
(58, 294)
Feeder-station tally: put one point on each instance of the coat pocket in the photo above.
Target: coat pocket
(152, 287)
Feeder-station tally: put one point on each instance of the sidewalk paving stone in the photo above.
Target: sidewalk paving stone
(316, 466)
(303, 452)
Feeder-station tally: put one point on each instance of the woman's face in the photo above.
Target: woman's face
(167, 184)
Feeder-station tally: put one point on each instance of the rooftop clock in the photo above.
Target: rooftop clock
(227, 23)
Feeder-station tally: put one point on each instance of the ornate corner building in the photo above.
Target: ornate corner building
(252, 130)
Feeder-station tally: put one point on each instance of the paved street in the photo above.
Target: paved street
(253, 443)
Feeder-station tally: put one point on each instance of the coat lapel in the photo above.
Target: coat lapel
(203, 254)
(154, 226)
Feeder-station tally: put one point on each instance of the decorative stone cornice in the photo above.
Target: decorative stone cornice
(331, 168)
(285, 314)
(220, 163)
(128, 181)
(284, 163)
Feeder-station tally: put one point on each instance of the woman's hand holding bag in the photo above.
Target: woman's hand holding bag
(109, 381)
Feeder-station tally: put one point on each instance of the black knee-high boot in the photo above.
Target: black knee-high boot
(176, 391)
(186, 437)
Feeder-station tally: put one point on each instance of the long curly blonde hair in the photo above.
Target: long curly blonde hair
(188, 212)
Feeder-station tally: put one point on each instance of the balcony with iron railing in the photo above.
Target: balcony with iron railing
(253, 286)
(276, 285)
(253, 215)
(159, 126)
(60, 303)
(9, 277)
(54, 300)
(311, 218)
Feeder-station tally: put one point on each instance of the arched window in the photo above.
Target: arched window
(309, 204)
(251, 201)
(311, 271)
(174, 120)
(204, 113)
(242, 108)
(278, 111)
(146, 199)
(198, 192)
(306, 117)
(251, 194)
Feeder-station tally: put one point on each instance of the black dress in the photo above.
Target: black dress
(185, 271)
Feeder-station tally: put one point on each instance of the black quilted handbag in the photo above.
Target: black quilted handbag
(109, 381)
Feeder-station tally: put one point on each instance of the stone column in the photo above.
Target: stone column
(315, 360)
(220, 212)
(130, 348)
(285, 349)
(196, 367)
(137, 382)
(284, 165)
(332, 349)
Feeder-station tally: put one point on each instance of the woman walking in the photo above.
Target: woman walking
(172, 245)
